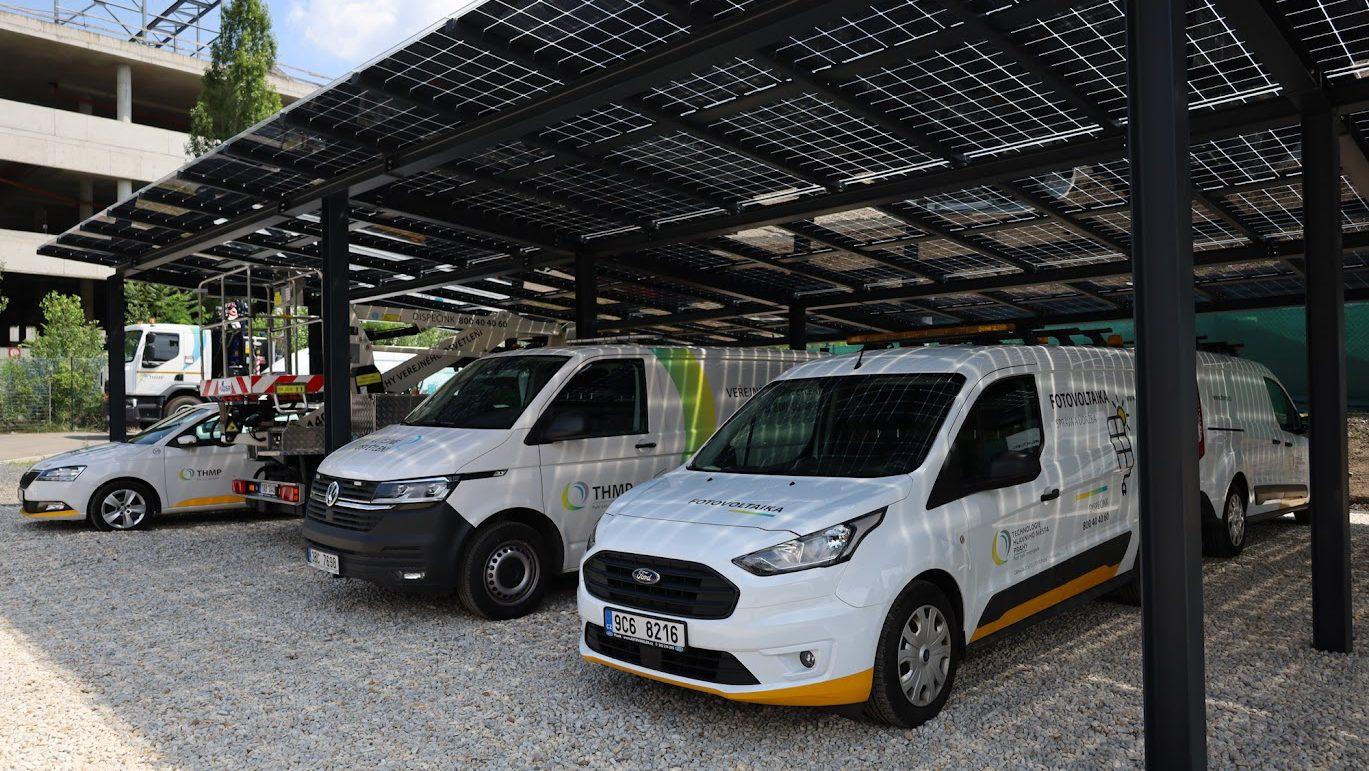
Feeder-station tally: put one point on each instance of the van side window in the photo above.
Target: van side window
(160, 348)
(1005, 418)
(612, 396)
(1285, 414)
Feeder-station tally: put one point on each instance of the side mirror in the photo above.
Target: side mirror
(186, 440)
(565, 424)
(1013, 468)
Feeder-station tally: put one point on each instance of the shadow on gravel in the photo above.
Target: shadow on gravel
(214, 642)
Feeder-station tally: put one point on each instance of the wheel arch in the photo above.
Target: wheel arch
(545, 527)
(948, 585)
(149, 487)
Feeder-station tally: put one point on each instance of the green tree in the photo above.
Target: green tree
(236, 92)
(68, 354)
(65, 332)
(144, 302)
(4, 301)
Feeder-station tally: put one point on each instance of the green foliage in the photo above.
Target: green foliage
(66, 333)
(4, 301)
(236, 92)
(144, 302)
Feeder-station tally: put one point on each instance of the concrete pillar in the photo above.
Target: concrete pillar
(87, 205)
(87, 290)
(123, 109)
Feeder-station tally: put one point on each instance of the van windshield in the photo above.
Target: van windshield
(851, 426)
(490, 393)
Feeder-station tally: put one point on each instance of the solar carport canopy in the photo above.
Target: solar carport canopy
(881, 165)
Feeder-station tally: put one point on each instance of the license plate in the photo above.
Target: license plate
(657, 632)
(268, 489)
(323, 561)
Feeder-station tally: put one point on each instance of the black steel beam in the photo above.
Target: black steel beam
(688, 317)
(1328, 462)
(1169, 558)
(337, 366)
(116, 390)
(798, 328)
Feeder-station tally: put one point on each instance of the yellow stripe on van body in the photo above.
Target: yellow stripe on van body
(698, 407)
(1043, 601)
(852, 689)
(221, 500)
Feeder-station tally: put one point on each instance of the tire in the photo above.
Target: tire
(1303, 517)
(1225, 535)
(175, 403)
(919, 651)
(122, 505)
(503, 573)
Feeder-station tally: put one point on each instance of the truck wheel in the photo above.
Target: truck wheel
(915, 663)
(503, 573)
(1225, 536)
(121, 505)
(175, 403)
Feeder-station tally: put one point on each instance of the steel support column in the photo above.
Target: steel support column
(1166, 387)
(337, 367)
(586, 297)
(114, 345)
(798, 328)
(1332, 628)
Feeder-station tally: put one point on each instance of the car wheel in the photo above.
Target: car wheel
(919, 651)
(126, 505)
(1226, 534)
(503, 572)
(176, 403)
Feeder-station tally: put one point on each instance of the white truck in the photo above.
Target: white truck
(164, 365)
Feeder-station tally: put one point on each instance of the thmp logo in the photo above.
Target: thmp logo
(578, 495)
(575, 496)
(188, 474)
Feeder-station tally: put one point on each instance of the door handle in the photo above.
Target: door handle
(1287, 444)
(1050, 495)
(1276, 441)
(647, 446)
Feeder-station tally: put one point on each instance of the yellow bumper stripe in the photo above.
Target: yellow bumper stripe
(51, 514)
(1042, 601)
(852, 689)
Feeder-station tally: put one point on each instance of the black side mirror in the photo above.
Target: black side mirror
(565, 424)
(1013, 468)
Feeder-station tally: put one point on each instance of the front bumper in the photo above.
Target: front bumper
(766, 642)
(423, 540)
(50, 501)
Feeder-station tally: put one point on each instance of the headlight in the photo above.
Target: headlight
(594, 534)
(414, 490)
(826, 547)
(62, 474)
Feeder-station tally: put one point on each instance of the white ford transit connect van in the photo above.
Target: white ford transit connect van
(863, 518)
(494, 484)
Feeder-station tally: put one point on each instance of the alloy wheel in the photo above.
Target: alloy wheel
(123, 509)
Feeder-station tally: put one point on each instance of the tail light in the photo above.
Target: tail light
(289, 493)
(243, 487)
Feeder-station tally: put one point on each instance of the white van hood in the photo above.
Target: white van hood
(101, 453)
(799, 505)
(410, 452)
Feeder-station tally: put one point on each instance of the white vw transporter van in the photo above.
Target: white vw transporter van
(863, 518)
(494, 484)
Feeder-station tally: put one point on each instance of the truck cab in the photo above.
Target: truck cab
(163, 367)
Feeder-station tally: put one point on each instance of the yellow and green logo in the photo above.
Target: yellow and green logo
(1002, 547)
(187, 474)
(574, 496)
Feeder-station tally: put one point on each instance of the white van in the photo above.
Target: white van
(863, 518)
(181, 463)
(494, 484)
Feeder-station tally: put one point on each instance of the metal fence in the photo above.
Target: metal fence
(52, 394)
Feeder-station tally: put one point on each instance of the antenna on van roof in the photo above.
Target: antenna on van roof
(860, 359)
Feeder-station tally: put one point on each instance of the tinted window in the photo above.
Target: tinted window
(161, 347)
(1285, 414)
(131, 340)
(1005, 418)
(490, 393)
(166, 426)
(208, 432)
(853, 426)
(611, 395)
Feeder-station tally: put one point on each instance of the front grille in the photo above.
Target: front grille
(27, 479)
(694, 663)
(686, 589)
(340, 515)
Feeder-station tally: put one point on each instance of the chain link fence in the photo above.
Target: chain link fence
(52, 394)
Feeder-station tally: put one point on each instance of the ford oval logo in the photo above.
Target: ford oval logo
(330, 495)
(645, 576)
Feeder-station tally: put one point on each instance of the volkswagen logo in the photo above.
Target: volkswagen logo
(645, 576)
(330, 495)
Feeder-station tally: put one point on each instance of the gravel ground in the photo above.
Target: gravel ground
(207, 643)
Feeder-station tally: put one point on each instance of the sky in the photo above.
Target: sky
(331, 37)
